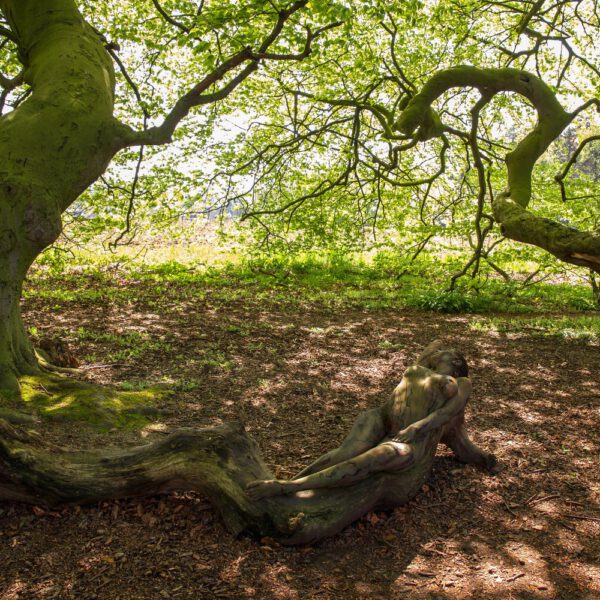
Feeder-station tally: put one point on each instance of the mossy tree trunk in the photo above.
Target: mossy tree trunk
(16, 353)
(52, 147)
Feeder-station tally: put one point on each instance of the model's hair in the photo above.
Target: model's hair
(460, 368)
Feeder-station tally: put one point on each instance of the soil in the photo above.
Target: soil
(297, 375)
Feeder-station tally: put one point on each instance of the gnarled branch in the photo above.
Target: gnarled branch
(510, 207)
(198, 95)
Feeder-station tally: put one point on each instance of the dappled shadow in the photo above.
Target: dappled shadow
(297, 376)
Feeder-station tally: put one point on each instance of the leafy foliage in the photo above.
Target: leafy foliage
(305, 156)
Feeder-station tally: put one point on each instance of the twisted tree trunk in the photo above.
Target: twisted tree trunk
(52, 147)
(218, 462)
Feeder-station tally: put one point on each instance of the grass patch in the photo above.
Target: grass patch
(62, 399)
(130, 344)
(586, 328)
(376, 283)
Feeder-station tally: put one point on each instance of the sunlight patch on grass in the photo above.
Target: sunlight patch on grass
(579, 327)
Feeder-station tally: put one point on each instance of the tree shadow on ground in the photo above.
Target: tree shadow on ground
(297, 376)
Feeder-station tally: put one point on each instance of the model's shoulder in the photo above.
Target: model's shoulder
(417, 371)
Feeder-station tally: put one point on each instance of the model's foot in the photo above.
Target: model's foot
(265, 489)
(492, 465)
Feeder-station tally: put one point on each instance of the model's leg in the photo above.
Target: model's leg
(457, 439)
(368, 430)
(388, 456)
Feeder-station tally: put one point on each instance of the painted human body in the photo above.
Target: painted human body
(393, 437)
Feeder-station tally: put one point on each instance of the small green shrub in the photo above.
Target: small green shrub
(579, 303)
(444, 302)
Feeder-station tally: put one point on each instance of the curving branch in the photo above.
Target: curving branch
(168, 18)
(129, 80)
(10, 83)
(520, 162)
(6, 33)
(480, 232)
(382, 114)
(248, 58)
(561, 176)
(305, 53)
(510, 207)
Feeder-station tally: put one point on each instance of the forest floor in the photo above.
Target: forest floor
(297, 374)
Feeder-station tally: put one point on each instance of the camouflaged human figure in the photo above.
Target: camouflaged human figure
(393, 437)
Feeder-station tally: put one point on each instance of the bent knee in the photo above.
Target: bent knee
(398, 453)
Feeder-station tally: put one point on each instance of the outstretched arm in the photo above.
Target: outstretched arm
(440, 417)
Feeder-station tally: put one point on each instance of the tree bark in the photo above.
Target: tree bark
(16, 353)
(52, 147)
(566, 243)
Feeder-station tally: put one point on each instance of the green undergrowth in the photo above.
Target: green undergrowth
(577, 327)
(63, 399)
(128, 345)
(351, 281)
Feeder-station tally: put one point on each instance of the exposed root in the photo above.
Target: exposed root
(46, 365)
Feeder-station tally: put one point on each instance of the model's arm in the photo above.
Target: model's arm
(443, 415)
(368, 430)
(389, 456)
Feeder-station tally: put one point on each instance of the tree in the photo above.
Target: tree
(62, 132)
(510, 207)
(66, 123)
(393, 123)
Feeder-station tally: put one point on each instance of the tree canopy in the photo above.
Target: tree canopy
(438, 118)
(366, 123)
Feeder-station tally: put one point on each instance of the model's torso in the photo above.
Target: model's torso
(413, 399)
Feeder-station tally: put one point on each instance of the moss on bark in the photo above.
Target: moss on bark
(51, 148)
(566, 243)
(63, 399)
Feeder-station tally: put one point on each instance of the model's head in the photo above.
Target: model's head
(445, 361)
(449, 362)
